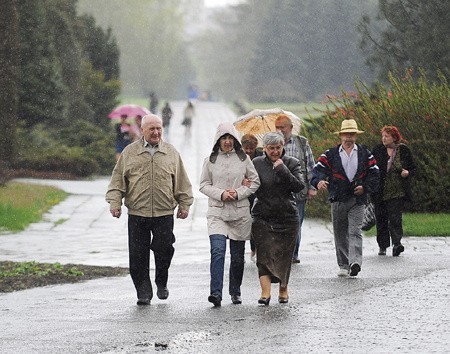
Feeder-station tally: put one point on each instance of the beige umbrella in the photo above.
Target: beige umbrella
(261, 121)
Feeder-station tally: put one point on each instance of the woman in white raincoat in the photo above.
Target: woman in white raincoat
(228, 209)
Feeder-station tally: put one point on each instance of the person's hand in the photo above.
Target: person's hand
(229, 195)
(246, 182)
(116, 212)
(359, 190)
(404, 173)
(311, 194)
(277, 163)
(322, 185)
(182, 214)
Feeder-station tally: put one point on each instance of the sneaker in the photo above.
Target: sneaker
(355, 268)
(236, 299)
(382, 251)
(296, 260)
(253, 256)
(397, 249)
(343, 272)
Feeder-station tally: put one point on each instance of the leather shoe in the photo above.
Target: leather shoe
(143, 301)
(295, 260)
(283, 300)
(236, 299)
(355, 268)
(382, 251)
(162, 292)
(397, 249)
(264, 301)
(215, 300)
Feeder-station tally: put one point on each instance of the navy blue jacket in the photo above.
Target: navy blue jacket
(340, 189)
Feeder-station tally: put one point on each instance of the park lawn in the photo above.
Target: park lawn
(421, 224)
(22, 204)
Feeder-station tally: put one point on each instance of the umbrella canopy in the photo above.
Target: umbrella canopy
(261, 121)
(131, 110)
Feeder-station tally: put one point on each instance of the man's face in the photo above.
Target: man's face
(348, 139)
(273, 151)
(152, 131)
(226, 143)
(284, 128)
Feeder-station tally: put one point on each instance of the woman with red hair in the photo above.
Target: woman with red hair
(397, 166)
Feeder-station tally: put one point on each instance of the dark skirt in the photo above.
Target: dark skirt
(275, 245)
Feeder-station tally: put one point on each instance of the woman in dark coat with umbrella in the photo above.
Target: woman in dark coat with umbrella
(275, 216)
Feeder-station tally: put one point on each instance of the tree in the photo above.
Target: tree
(9, 73)
(41, 86)
(407, 33)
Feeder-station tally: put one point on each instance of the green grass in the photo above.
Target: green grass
(423, 225)
(22, 204)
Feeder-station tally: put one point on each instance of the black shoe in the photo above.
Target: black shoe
(215, 300)
(143, 301)
(162, 292)
(236, 299)
(264, 301)
(355, 268)
(283, 300)
(295, 260)
(397, 249)
(382, 251)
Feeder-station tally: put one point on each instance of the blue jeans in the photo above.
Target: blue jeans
(301, 216)
(218, 245)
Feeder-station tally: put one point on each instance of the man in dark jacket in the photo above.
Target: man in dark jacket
(348, 172)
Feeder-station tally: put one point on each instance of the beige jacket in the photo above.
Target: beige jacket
(227, 170)
(151, 185)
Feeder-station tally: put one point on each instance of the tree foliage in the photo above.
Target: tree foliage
(9, 74)
(408, 33)
(283, 50)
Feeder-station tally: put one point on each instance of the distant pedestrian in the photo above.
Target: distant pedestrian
(228, 209)
(349, 172)
(166, 117)
(153, 103)
(275, 216)
(136, 128)
(188, 114)
(249, 145)
(151, 179)
(298, 146)
(124, 135)
(397, 166)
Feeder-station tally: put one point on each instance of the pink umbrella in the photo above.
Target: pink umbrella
(131, 110)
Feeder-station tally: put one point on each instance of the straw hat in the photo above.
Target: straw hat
(349, 126)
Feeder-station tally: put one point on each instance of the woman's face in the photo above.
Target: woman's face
(387, 139)
(273, 151)
(226, 143)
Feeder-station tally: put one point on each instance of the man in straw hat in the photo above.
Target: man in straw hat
(348, 171)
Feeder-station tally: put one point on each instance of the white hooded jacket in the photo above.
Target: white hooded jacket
(223, 171)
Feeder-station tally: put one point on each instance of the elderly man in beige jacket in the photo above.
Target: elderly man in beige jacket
(151, 179)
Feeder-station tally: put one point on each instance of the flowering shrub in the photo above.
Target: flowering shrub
(420, 109)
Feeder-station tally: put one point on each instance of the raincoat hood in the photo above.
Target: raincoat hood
(222, 129)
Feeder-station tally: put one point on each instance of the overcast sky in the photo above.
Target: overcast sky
(212, 3)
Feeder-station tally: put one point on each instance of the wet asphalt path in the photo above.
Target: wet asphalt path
(394, 305)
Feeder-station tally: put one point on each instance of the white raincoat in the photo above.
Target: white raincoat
(227, 170)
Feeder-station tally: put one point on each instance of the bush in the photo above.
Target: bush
(81, 149)
(420, 109)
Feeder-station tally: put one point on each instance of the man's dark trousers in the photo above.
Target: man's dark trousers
(145, 234)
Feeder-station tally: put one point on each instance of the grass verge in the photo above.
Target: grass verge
(422, 225)
(22, 204)
(16, 276)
